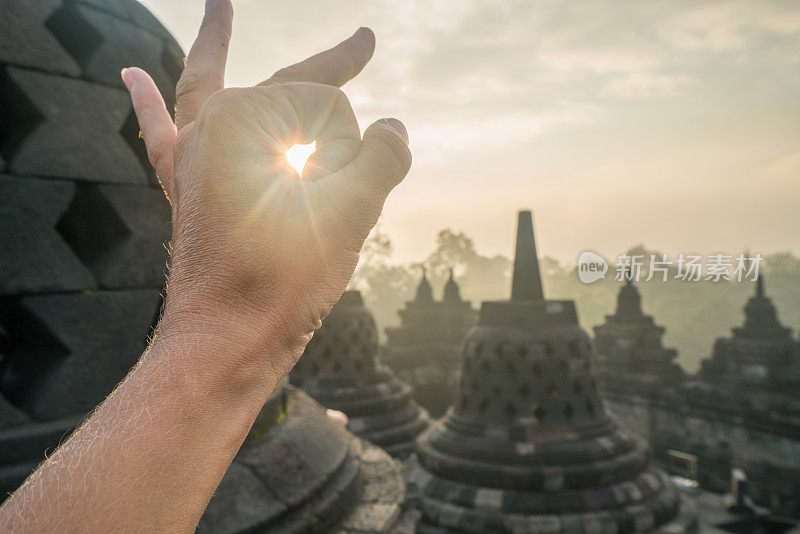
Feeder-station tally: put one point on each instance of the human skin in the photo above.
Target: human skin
(259, 257)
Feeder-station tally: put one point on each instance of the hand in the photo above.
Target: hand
(258, 251)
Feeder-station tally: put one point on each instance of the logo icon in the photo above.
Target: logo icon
(591, 267)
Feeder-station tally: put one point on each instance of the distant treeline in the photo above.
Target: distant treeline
(694, 313)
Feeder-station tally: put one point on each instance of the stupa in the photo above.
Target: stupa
(529, 447)
(760, 352)
(425, 349)
(341, 370)
(301, 471)
(83, 220)
(630, 353)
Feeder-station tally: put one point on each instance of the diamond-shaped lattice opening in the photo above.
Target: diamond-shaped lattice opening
(483, 405)
(30, 349)
(540, 413)
(326, 352)
(552, 390)
(548, 349)
(563, 366)
(522, 352)
(511, 368)
(485, 367)
(92, 228)
(76, 34)
(536, 368)
(19, 117)
(574, 348)
(568, 411)
(577, 388)
(510, 410)
(337, 367)
(524, 390)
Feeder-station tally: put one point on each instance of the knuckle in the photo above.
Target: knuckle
(189, 82)
(220, 102)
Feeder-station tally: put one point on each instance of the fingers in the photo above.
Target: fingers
(296, 113)
(155, 122)
(360, 189)
(205, 67)
(338, 416)
(332, 67)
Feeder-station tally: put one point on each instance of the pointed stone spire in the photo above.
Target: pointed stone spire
(451, 292)
(760, 286)
(424, 289)
(527, 281)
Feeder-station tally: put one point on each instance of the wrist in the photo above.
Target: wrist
(228, 348)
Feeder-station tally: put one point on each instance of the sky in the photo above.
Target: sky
(670, 123)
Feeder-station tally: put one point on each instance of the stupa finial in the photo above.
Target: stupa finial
(527, 280)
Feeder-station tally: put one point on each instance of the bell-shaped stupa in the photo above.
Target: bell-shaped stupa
(761, 352)
(630, 353)
(529, 447)
(341, 370)
(425, 349)
(301, 471)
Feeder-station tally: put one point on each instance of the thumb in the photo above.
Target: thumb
(384, 158)
(362, 186)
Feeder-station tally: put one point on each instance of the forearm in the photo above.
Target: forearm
(151, 455)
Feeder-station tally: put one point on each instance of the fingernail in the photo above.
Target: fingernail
(398, 127)
(126, 79)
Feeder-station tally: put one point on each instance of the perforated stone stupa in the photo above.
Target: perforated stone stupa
(529, 447)
(341, 370)
(83, 220)
(301, 471)
(425, 349)
(629, 348)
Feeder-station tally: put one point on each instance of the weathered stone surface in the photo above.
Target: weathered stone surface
(78, 133)
(241, 502)
(64, 131)
(10, 416)
(26, 40)
(120, 44)
(281, 483)
(54, 369)
(35, 256)
(138, 257)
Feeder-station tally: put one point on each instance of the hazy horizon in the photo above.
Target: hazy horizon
(673, 124)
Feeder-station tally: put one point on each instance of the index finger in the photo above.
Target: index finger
(205, 67)
(335, 66)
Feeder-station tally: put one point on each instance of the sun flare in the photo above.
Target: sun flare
(299, 154)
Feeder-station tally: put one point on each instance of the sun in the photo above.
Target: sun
(298, 154)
